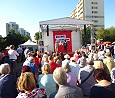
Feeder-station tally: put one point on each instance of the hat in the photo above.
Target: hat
(66, 56)
(72, 59)
(7, 48)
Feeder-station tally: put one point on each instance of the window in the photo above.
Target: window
(94, 7)
(94, 2)
(95, 12)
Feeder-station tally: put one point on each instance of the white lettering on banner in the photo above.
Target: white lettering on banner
(61, 38)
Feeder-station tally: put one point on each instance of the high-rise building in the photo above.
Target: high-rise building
(11, 25)
(15, 27)
(23, 32)
(91, 10)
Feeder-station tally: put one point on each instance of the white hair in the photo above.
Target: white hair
(59, 76)
(4, 68)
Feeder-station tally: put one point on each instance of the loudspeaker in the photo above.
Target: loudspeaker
(47, 30)
(85, 29)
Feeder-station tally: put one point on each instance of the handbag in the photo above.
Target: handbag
(87, 76)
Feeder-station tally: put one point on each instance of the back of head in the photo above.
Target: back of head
(59, 76)
(95, 57)
(66, 67)
(26, 69)
(26, 82)
(101, 74)
(30, 59)
(89, 61)
(66, 56)
(73, 59)
(108, 54)
(4, 68)
(46, 69)
(12, 46)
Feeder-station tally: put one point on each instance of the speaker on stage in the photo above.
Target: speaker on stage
(47, 30)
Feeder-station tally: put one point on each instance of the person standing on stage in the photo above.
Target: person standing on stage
(56, 46)
(65, 45)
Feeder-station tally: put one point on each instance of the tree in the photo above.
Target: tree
(1, 42)
(37, 36)
(86, 37)
(15, 38)
(106, 34)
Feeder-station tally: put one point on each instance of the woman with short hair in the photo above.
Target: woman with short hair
(46, 80)
(7, 82)
(104, 88)
(71, 76)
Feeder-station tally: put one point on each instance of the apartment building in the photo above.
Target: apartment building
(11, 25)
(23, 32)
(15, 27)
(91, 10)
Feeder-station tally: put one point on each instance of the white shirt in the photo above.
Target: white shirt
(13, 54)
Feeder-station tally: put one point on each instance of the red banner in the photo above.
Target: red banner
(60, 37)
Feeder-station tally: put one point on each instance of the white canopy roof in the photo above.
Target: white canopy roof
(29, 43)
(63, 23)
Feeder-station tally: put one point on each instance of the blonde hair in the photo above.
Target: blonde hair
(4, 68)
(66, 67)
(26, 82)
(59, 76)
(46, 69)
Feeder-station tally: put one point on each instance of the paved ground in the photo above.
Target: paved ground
(19, 69)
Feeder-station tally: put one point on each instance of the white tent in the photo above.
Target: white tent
(29, 43)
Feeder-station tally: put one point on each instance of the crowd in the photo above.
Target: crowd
(86, 74)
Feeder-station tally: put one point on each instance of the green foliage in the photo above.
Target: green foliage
(14, 38)
(86, 38)
(106, 34)
(37, 36)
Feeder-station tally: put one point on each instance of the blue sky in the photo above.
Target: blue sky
(28, 13)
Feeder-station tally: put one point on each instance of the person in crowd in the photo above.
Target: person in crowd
(45, 59)
(86, 79)
(57, 60)
(65, 90)
(4, 59)
(13, 58)
(108, 62)
(77, 55)
(97, 63)
(20, 51)
(46, 80)
(82, 61)
(36, 59)
(74, 66)
(112, 74)
(104, 88)
(71, 76)
(52, 64)
(61, 55)
(26, 51)
(25, 69)
(67, 58)
(27, 87)
(7, 82)
(30, 62)
(101, 55)
(39, 60)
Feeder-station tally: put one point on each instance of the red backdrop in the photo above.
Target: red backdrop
(61, 36)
